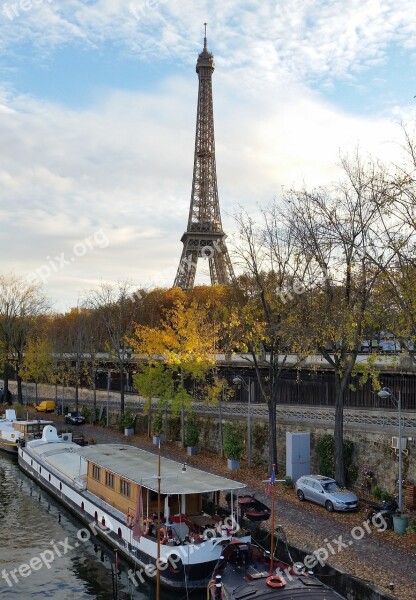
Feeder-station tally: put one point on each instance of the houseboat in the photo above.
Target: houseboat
(246, 571)
(148, 508)
(13, 430)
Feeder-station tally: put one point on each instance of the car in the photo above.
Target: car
(325, 491)
(46, 406)
(74, 418)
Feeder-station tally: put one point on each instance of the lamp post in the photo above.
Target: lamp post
(249, 387)
(387, 393)
(108, 395)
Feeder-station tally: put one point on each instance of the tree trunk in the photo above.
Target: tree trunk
(121, 369)
(272, 435)
(76, 394)
(340, 384)
(94, 401)
(6, 378)
(19, 390)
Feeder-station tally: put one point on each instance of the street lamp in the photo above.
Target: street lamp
(238, 380)
(387, 393)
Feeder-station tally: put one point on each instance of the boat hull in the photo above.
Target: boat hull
(9, 447)
(177, 574)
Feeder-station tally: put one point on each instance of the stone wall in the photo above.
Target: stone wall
(371, 431)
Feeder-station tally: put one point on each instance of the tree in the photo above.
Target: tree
(337, 232)
(185, 344)
(20, 305)
(263, 318)
(116, 308)
(38, 362)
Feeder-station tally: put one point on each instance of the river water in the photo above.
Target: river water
(66, 566)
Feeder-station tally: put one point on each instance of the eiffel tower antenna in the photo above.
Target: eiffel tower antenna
(204, 237)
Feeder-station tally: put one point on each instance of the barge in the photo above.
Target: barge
(118, 489)
(13, 430)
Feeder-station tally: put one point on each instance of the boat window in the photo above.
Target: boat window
(120, 535)
(103, 522)
(124, 487)
(49, 477)
(60, 486)
(82, 506)
(96, 472)
(109, 479)
(31, 463)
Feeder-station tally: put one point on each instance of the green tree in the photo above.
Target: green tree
(185, 344)
(38, 363)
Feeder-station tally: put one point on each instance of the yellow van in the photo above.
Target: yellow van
(46, 406)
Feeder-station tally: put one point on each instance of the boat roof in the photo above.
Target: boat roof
(62, 456)
(141, 467)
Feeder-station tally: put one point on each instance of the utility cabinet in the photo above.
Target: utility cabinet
(298, 454)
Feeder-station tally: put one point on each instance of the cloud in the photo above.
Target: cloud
(123, 164)
(300, 39)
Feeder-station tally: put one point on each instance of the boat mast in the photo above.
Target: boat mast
(158, 527)
(272, 528)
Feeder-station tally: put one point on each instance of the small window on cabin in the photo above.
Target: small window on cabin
(109, 479)
(96, 472)
(124, 487)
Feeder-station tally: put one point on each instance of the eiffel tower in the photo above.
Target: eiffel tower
(204, 237)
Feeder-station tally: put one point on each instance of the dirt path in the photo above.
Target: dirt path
(379, 557)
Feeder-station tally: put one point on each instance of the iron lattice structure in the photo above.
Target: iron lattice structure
(204, 237)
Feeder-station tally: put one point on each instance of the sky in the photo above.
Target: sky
(98, 109)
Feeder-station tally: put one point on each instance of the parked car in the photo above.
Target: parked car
(325, 491)
(74, 418)
(46, 406)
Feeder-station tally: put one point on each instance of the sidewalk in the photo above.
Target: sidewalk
(378, 557)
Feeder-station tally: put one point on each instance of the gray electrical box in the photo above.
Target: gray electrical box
(298, 454)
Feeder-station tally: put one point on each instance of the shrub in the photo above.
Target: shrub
(128, 420)
(157, 423)
(191, 431)
(326, 458)
(376, 491)
(385, 496)
(233, 440)
(288, 481)
(87, 413)
(412, 527)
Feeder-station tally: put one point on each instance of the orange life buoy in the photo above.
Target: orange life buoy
(163, 535)
(276, 581)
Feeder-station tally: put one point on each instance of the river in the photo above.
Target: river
(35, 529)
